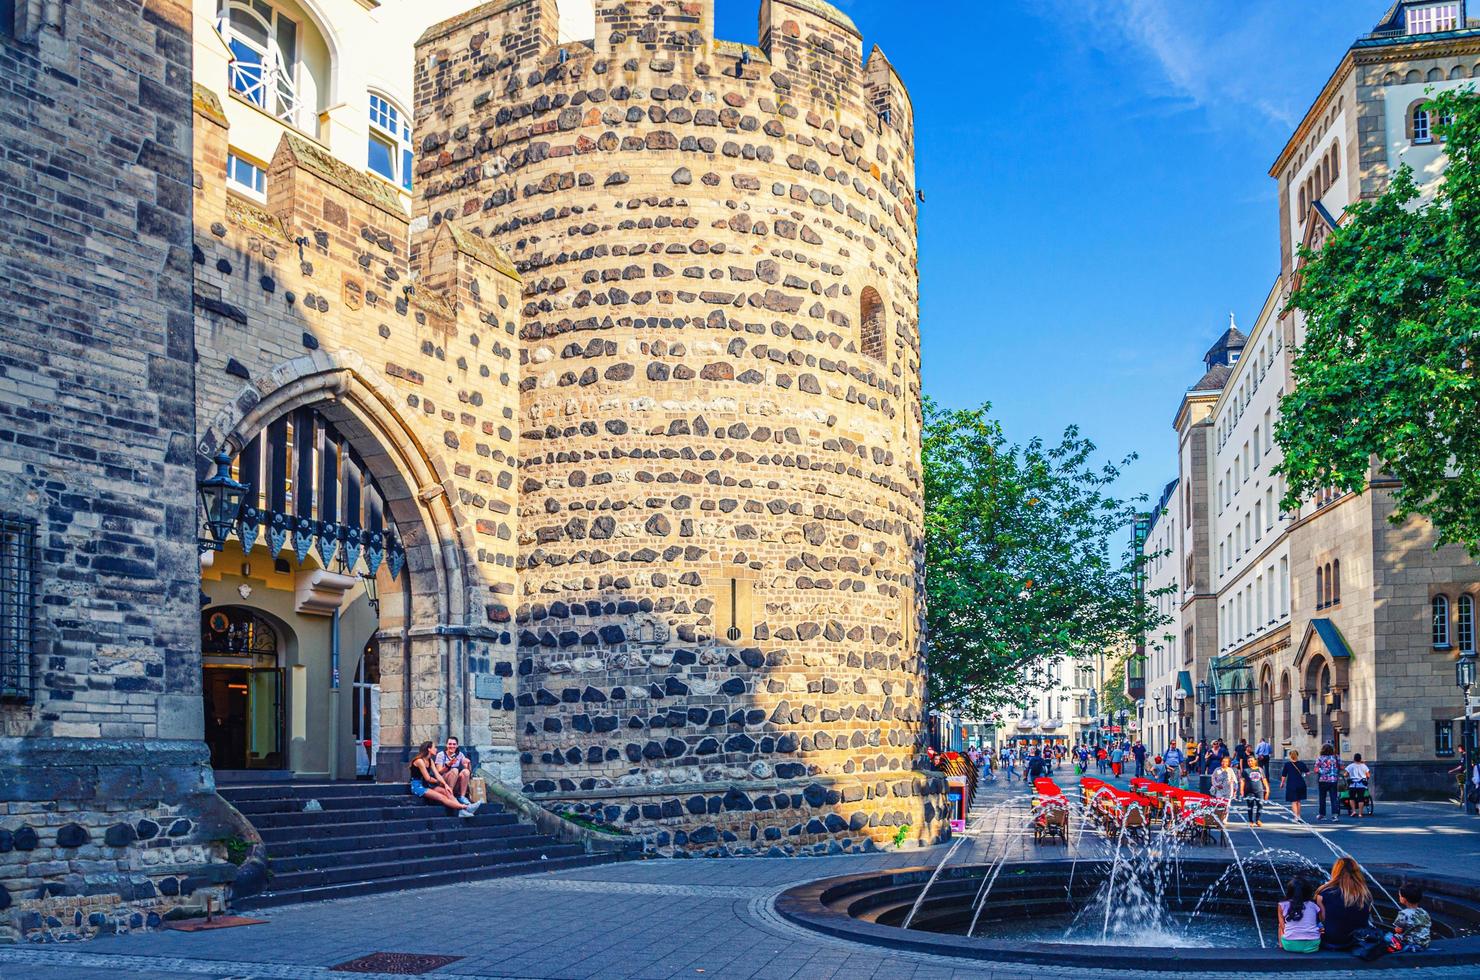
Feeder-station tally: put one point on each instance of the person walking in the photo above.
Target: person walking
(1226, 782)
(1117, 760)
(1263, 751)
(1292, 781)
(1009, 763)
(1174, 760)
(1241, 754)
(1357, 775)
(1328, 783)
(1256, 792)
(1138, 751)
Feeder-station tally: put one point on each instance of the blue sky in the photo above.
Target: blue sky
(1097, 197)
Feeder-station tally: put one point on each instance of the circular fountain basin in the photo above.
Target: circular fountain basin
(1045, 912)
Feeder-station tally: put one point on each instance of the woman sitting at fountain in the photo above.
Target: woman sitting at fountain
(1300, 918)
(1346, 904)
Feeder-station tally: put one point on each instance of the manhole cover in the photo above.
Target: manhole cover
(405, 964)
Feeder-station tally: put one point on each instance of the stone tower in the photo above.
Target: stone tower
(719, 486)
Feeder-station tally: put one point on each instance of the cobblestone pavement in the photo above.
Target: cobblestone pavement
(705, 919)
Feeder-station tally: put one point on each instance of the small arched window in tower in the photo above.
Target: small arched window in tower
(1466, 623)
(871, 324)
(1320, 587)
(1333, 581)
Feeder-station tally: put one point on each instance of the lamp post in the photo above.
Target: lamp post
(1464, 678)
(1202, 704)
(221, 499)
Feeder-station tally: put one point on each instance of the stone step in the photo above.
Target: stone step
(345, 873)
(370, 829)
(285, 844)
(390, 814)
(409, 853)
(292, 790)
(403, 882)
(341, 803)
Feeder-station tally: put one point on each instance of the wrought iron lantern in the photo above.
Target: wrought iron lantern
(221, 499)
(1464, 672)
(372, 593)
(1202, 692)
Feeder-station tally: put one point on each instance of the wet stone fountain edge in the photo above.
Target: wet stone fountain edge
(824, 906)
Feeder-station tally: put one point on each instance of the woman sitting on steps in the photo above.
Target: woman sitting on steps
(428, 785)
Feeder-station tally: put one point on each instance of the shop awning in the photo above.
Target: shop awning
(1184, 682)
(1231, 675)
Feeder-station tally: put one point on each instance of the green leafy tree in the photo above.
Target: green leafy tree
(1020, 566)
(1387, 370)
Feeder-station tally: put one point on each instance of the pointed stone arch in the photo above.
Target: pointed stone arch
(433, 602)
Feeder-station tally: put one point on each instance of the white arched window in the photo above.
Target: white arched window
(1421, 132)
(264, 56)
(390, 141)
(1465, 624)
(1441, 621)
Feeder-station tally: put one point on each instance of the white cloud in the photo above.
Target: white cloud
(1233, 61)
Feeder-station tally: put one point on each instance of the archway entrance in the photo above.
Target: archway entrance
(243, 690)
(292, 604)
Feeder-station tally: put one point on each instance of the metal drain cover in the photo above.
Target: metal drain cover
(403, 964)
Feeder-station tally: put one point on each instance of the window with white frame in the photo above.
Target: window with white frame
(1441, 622)
(1421, 133)
(1432, 17)
(390, 141)
(246, 176)
(1465, 624)
(264, 56)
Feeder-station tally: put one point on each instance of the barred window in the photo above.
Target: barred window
(1444, 738)
(17, 608)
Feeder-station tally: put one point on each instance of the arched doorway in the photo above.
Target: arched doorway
(312, 546)
(424, 622)
(1326, 705)
(242, 689)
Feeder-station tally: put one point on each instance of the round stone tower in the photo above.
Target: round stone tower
(717, 625)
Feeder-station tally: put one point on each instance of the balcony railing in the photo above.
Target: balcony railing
(269, 87)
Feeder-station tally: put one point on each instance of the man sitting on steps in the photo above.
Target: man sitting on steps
(455, 769)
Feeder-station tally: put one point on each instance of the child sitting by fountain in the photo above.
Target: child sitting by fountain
(1411, 927)
(1300, 918)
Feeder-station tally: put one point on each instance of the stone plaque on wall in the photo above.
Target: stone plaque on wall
(488, 687)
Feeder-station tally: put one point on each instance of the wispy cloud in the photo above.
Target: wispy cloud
(1230, 60)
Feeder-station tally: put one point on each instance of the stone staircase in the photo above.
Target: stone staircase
(374, 837)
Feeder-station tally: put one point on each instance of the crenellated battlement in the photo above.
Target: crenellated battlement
(808, 52)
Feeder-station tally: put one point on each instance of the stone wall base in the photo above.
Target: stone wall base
(776, 818)
(104, 836)
(1429, 780)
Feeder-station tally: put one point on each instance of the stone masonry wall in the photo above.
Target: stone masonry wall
(323, 296)
(720, 496)
(107, 816)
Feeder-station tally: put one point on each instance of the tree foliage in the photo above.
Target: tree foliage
(1387, 369)
(1020, 566)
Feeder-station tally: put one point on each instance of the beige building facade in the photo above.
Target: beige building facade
(1330, 624)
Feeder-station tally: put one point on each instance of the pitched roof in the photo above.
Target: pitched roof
(1214, 380)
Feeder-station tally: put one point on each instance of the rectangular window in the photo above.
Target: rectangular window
(1444, 738)
(17, 608)
(1465, 623)
(390, 142)
(1432, 17)
(245, 176)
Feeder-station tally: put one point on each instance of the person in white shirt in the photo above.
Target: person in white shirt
(1357, 776)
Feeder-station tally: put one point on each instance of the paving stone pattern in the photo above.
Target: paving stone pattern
(653, 919)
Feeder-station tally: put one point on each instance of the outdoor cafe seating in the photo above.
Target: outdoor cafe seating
(1050, 812)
